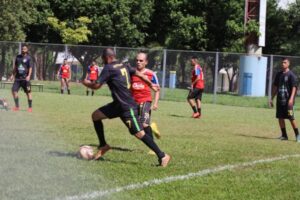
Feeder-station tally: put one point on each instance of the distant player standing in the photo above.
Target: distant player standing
(117, 76)
(21, 75)
(92, 75)
(64, 73)
(285, 87)
(142, 94)
(195, 95)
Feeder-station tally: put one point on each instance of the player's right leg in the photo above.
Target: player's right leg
(281, 114)
(15, 88)
(62, 85)
(27, 89)
(190, 99)
(110, 111)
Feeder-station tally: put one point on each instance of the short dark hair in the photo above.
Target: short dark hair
(108, 52)
(285, 58)
(194, 57)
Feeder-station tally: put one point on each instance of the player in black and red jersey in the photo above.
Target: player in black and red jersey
(117, 76)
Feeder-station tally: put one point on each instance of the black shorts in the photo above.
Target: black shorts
(129, 117)
(23, 84)
(284, 112)
(196, 93)
(144, 111)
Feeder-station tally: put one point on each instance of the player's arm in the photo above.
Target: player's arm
(29, 74)
(292, 97)
(91, 85)
(156, 98)
(70, 74)
(58, 72)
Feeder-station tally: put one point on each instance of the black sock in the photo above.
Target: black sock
(199, 110)
(30, 103)
(296, 131)
(148, 131)
(98, 125)
(61, 91)
(87, 93)
(17, 102)
(283, 132)
(153, 146)
(92, 93)
(69, 92)
(194, 109)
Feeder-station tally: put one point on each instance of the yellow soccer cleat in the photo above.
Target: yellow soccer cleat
(155, 130)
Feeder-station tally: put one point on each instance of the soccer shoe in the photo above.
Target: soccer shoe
(298, 138)
(152, 153)
(165, 160)
(15, 109)
(283, 138)
(196, 115)
(101, 152)
(29, 110)
(155, 130)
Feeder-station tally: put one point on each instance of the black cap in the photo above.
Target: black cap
(108, 52)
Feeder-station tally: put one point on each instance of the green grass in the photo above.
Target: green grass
(38, 151)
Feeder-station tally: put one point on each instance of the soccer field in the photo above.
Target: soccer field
(230, 153)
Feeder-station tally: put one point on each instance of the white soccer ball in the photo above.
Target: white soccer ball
(86, 152)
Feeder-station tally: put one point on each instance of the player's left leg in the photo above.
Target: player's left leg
(291, 117)
(68, 86)
(27, 90)
(130, 118)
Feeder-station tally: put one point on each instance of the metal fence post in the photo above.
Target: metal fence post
(270, 78)
(164, 75)
(216, 78)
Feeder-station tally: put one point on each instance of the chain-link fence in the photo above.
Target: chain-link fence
(173, 67)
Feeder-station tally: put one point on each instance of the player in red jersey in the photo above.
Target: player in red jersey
(92, 75)
(142, 94)
(64, 73)
(195, 96)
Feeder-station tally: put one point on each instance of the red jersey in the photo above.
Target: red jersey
(198, 73)
(64, 71)
(140, 90)
(93, 71)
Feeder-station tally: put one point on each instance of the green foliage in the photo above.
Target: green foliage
(78, 33)
(15, 16)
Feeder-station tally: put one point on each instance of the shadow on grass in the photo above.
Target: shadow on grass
(180, 116)
(63, 154)
(118, 148)
(260, 137)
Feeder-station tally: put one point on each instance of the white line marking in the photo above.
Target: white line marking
(97, 194)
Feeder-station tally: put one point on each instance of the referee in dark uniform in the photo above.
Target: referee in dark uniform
(118, 76)
(21, 75)
(285, 87)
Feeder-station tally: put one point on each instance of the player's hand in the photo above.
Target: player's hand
(154, 107)
(11, 78)
(27, 78)
(291, 103)
(271, 103)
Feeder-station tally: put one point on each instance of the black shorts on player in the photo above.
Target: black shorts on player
(144, 111)
(25, 85)
(196, 93)
(128, 116)
(284, 112)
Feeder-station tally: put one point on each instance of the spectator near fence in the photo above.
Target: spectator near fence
(64, 74)
(195, 95)
(92, 75)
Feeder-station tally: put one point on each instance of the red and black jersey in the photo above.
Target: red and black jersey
(64, 71)
(140, 90)
(198, 73)
(93, 71)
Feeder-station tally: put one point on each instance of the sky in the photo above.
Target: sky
(284, 3)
